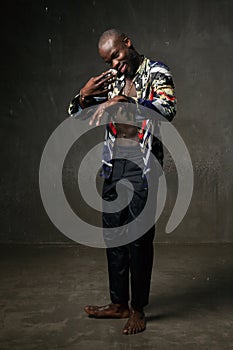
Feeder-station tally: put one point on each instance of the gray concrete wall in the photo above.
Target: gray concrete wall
(48, 51)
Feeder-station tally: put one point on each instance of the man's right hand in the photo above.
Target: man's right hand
(98, 86)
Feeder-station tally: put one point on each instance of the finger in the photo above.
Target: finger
(99, 116)
(93, 118)
(106, 80)
(103, 91)
(99, 77)
(107, 74)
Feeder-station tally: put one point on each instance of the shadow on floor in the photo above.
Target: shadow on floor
(199, 295)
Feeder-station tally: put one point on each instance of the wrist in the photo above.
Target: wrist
(84, 99)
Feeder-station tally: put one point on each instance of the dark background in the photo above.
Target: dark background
(49, 50)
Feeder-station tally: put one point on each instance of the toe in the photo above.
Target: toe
(89, 309)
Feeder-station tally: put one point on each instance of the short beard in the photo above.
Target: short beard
(134, 62)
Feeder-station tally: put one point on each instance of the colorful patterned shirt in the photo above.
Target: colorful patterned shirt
(155, 89)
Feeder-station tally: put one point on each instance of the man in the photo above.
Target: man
(136, 79)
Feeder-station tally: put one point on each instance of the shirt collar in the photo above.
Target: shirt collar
(141, 68)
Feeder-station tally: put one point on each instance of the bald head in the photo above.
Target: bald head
(110, 34)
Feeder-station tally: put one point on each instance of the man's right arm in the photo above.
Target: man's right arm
(93, 92)
(77, 104)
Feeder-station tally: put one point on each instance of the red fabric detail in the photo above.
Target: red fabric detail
(112, 127)
(151, 95)
(140, 135)
(168, 97)
(143, 124)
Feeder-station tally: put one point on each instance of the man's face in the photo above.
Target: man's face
(119, 54)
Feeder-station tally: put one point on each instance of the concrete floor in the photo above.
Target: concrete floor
(44, 288)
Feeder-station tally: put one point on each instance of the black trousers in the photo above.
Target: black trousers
(136, 257)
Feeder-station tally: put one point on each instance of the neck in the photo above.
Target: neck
(137, 60)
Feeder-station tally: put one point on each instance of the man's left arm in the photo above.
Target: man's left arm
(161, 95)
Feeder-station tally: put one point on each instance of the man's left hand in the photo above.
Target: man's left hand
(103, 106)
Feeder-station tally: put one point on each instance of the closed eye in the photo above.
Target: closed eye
(114, 55)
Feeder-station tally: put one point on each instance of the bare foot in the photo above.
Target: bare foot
(108, 311)
(136, 322)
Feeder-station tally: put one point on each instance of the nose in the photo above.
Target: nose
(115, 63)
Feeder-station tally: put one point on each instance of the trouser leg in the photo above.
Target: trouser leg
(141, 249)
(118, 271)
(137, 257)
(117, 257)
(141, 262)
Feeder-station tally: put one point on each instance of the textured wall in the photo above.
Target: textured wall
(49, 51)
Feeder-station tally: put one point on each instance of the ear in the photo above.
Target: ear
(127, 42)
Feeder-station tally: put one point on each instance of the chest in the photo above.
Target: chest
(129, 88)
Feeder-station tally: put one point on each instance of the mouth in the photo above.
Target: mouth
(123, 68)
